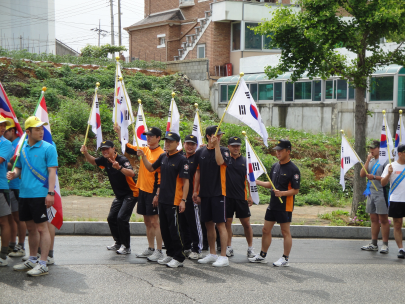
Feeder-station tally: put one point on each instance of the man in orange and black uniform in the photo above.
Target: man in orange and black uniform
(121, 176)
(148, 184)
(285, 176)
(172, 200)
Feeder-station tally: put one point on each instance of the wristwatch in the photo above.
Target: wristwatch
(51, 193)
(120, 168)
(183, 200)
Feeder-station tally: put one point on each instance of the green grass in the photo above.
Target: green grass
(336, 218)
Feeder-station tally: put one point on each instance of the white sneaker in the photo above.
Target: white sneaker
(221, 261)
(156, 256)
(3, 262)
(27, 265)
(17, 252)
(281, 262)
(210, 258)
(384, 249)
(114, 246)
(38, 270)
(258, 259)
(174, 264)
(165, 260)
(251, 253)
(147, 252)
(27, 257)
(195, 256)
(50, 261)
(229, 251)
(124, 250)
(187, 252)
(370, 247)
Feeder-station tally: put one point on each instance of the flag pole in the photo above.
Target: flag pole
(143, 115)
(264, 169)
(358, 158)
(91, 113)
(199, 123)
(400, 125)
(171, 110)
(18, 153)
(388, 145)
(229, 102)
(136, 135)
(126, 101)
(115, 93)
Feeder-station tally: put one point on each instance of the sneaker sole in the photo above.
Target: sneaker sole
(210, 262)
(149, 260)
(262, 262)
(11, 255)
(369, 249)
(142, 256)
(281, 265)
(174, 266)
(37, 275)
(224, 265)
(3, 265)
(231, 255)
(401, 257)
(384, 252)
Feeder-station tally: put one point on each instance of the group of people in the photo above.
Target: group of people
(26, 191)
(188, 198)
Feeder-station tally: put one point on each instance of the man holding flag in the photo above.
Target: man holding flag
(37, 169)
(395, 175)
(376, 203)
(285, 176)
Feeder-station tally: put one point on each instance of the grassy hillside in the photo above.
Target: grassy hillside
(69, 95)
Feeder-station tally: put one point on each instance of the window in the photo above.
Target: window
(341, 90)
(230, 91)
(201, 51)
(236, 36)
(252, 41)
(302, 90)
(382, 89)
(224, 95)
(328, 89)
(266, 41)
(253, 90)
(278, 91)
(351, 92)
(289, 91)
(266, 91)
(161, 40)
(401, 91)
(317, 90)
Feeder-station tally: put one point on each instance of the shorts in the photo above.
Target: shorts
(213, 209)
(376, 204)
(145, 206)
(32, 209)
(14, 195)
(4, 206)
(238, 207)
(396, 210)
(278, 216)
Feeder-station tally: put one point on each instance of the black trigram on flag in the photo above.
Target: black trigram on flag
(347, 160)
(383, 128)
(248, 155)
(126, 115)
(195, 128)
(342, 150)
(255, 166)
(253, 188)
(170, 113)
(247, 94)
(242, 110)
(96, 104)
(383, 153)
(140, 118)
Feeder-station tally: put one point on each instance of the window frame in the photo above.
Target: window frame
(199, 46)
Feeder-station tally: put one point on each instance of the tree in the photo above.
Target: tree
(308, 38)
(101, 51)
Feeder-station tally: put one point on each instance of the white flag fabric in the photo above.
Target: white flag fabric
(254, 170)
(95, 121)
(173, 121)
(399, 136)
(347, 159)
(243, 107)
(197, 131)
(140, 128)
(386, 140)
(119, 98)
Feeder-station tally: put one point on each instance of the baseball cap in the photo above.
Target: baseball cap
(191, 139)
(12, 123)
(234, 141)
(283, 144)
(172, 136)
(401, 148)
(212, 129)
(374, 144)
(34, 122)
(107, 144)
(153, 132)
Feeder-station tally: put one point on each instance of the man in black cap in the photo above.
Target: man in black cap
(121, 176)
(237, 201)
(376, 203)
(148, 184)
(174, 185)
(285, 176)
(210, 187)
(190, 218)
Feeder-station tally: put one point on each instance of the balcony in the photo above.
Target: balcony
(186, 3)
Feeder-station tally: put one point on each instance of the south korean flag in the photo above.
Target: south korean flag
(348, 159)
(254, 170)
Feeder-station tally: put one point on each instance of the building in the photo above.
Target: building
(63, 49)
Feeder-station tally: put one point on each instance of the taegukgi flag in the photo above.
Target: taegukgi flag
(6, 110)
(385, 142)
(197, 131)
(120, 97)
(95, 121)
(348, 159)
(244, 108)
(173, 121)
(399, 136)
(140, 127)
(254, 170)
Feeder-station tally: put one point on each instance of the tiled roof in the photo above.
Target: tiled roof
(174, 15)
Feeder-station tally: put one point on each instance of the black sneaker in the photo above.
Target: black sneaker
(401, 254)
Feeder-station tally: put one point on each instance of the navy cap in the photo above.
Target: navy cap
(212, 129)
(401, 148)
(191, 139)
(107, 144)
(283, 144)
(234, 141)
(172, 136)
(153, 131)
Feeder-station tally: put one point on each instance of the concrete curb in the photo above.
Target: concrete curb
(298, 231)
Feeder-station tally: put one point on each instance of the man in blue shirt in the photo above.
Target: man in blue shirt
(37, 166)
(5, 211)
(14, 185)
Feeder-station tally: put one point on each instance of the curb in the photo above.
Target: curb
(297, 231)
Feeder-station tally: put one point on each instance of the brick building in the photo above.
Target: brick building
(190, 29)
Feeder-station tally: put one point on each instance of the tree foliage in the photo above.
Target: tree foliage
(101, 51)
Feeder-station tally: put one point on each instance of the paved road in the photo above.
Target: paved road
(321, 271)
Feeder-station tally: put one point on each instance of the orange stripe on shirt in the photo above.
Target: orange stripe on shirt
(289, 202)
(223, 179)
(178, 195)
(132, 185)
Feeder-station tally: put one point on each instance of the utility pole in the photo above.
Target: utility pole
(100, 31)
(119, 22)
(112, 22)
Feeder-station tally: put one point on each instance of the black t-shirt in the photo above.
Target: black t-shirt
(236, 178)
(212, 176)
(122, 185)
(173, 168)
(284, 177)
(192, 170)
